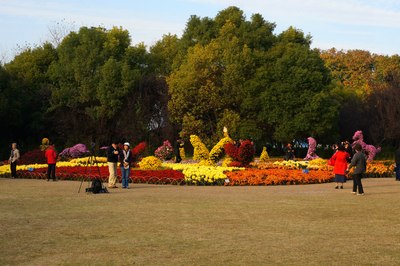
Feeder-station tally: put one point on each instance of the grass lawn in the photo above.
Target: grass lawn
(49, 223)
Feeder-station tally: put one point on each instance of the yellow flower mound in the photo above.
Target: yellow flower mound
(200, 150)
(150, 163)
(291, 164)
(318, 164)
(264, 155)
(202, 174)
(227, 161)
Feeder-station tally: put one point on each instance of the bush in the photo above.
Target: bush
(138, 151)
(242, 155)
(200, 150)
(150, 163)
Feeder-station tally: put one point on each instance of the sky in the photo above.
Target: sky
(342, 24)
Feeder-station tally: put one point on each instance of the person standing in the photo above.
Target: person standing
(13, 160)
(51, 157)
(125, 159)
(348, 149)
(289, 152)
(397, 160)
(339, 163)
(177, 149)
(358, 161)
(112, 161)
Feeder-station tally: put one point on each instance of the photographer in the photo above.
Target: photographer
(112, 160)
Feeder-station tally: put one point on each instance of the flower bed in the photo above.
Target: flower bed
(79, 172)
(199, 174)
(254, 177)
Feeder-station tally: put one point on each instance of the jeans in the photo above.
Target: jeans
(13, 167)
(125, 176)
(397, 171)
(357, 183)
(51, 171)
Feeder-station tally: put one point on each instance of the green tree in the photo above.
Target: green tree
(295, 80)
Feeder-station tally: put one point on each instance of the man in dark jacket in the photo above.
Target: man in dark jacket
(112, 160)
(358, 161)
(397, 160)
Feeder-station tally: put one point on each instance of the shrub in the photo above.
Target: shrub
(138, 151)
(242, 155)
(150, 162)
(200, 150)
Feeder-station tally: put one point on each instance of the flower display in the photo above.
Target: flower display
(75, 151)
(290, 164)
(242, 155)
(254, 177)
(217, 152)
(200, 151)
(200, 174)
(45, 144)
(182, 153)
(165, 151)
(85, 160)
(138, 150)
(137, 176)
(264, 155)
(150, 163)
(32, 157)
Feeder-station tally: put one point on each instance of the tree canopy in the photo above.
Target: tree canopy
(233, 71)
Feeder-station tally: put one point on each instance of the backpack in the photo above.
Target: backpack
(97, 187)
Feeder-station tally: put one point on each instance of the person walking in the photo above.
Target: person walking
(339, 163)
(397, 161)
(358, 161)
(125, 159)
(112, 161)
(13, 160)
(51, 156)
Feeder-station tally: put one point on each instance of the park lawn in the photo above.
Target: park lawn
(49, 223)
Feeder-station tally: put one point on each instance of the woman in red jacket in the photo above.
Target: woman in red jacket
(339, 163)
(51, 157)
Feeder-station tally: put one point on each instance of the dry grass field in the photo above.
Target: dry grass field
(49, 223)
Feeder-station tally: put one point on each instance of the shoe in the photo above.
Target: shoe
(341, 187)
(112, 187)
(360, 194)
(353, 193)
(48, 180)
(336, 187)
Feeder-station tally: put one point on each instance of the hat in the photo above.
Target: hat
(127, 144)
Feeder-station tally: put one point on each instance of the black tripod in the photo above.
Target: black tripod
(91, 161)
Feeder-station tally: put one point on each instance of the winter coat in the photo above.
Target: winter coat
(359, 161)
(339, 162)
(51, 155)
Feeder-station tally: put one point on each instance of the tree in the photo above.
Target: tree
(295, 89)
(209, 81)
(27, 92)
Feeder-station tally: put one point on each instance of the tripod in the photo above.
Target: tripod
(91, 161)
